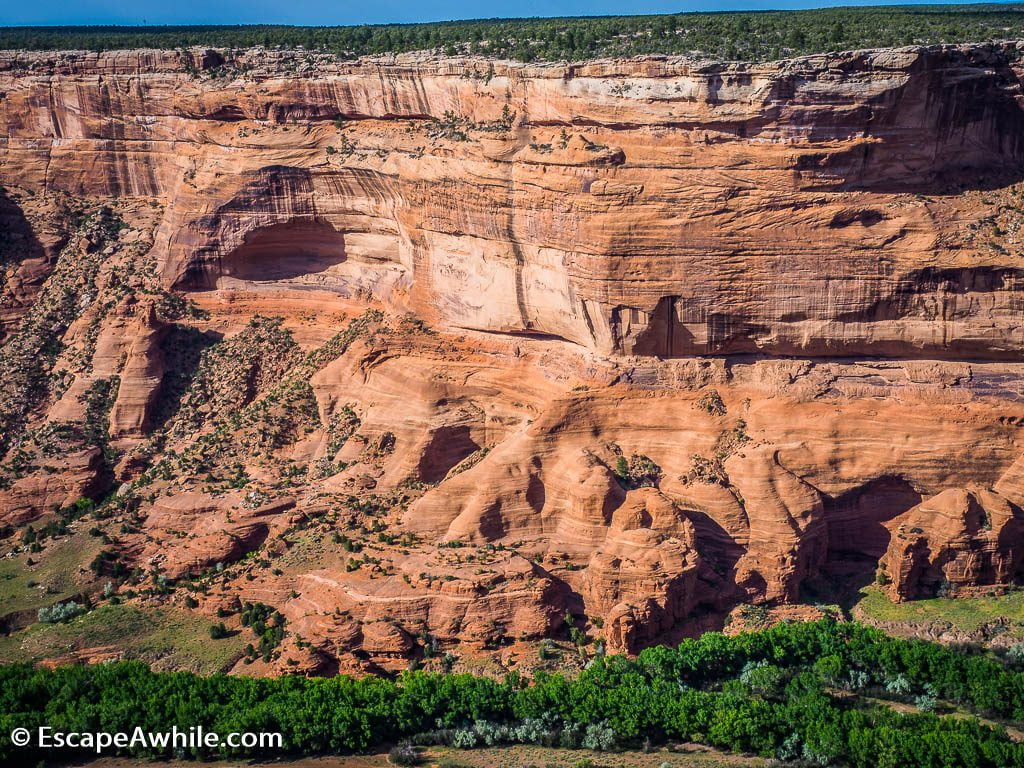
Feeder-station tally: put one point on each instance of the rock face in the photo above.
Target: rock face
(575, 201)
(956, 539)
(219, 530)
(643, 577)
(468, 352)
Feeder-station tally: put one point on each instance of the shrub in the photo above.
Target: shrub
(571, 736)
(1015, 654)
(829, 669)
(60, 612)
(858, 680)
(691, 693)
(711, 402)
(791, 748)
(621, 469)
(925, 703)
(599, 736)
(638, 472)
(464, 738)
(742, 36)
(403, 754)
(706, 471)
(762, 677)
(898, 685)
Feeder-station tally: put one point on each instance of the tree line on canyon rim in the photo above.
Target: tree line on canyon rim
(806, 692)
(743, 36)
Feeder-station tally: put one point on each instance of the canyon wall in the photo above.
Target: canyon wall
(652, 207)
(648, 338)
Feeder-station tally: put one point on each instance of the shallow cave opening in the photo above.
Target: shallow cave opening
(285, 252)
(447, 447)
(858, 536)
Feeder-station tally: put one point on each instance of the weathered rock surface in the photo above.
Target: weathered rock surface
(958, 538)
(583, 199)
(433, 354)
(210, 531)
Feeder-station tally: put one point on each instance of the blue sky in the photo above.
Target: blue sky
(348, 11)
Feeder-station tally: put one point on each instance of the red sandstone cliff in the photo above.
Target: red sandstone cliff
(785, 297)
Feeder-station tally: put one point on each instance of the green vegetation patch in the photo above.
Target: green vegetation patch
(968, 613)
(819, 692)
(744, 36)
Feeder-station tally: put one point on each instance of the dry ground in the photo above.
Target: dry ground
(686, 756)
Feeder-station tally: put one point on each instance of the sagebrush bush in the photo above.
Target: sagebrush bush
(60, 612)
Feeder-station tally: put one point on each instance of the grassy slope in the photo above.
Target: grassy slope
(58, 574)
(967, 614)
(165, 638)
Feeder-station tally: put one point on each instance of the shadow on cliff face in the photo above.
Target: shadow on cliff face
(977, 298)
(277, 227)
(18, 243)
(934, 294)
(286, 251)
(182, 348)
(666, 331)
(719, 554)
(858, 537)
(1013, 536)
(448, 446)
(957, 123)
